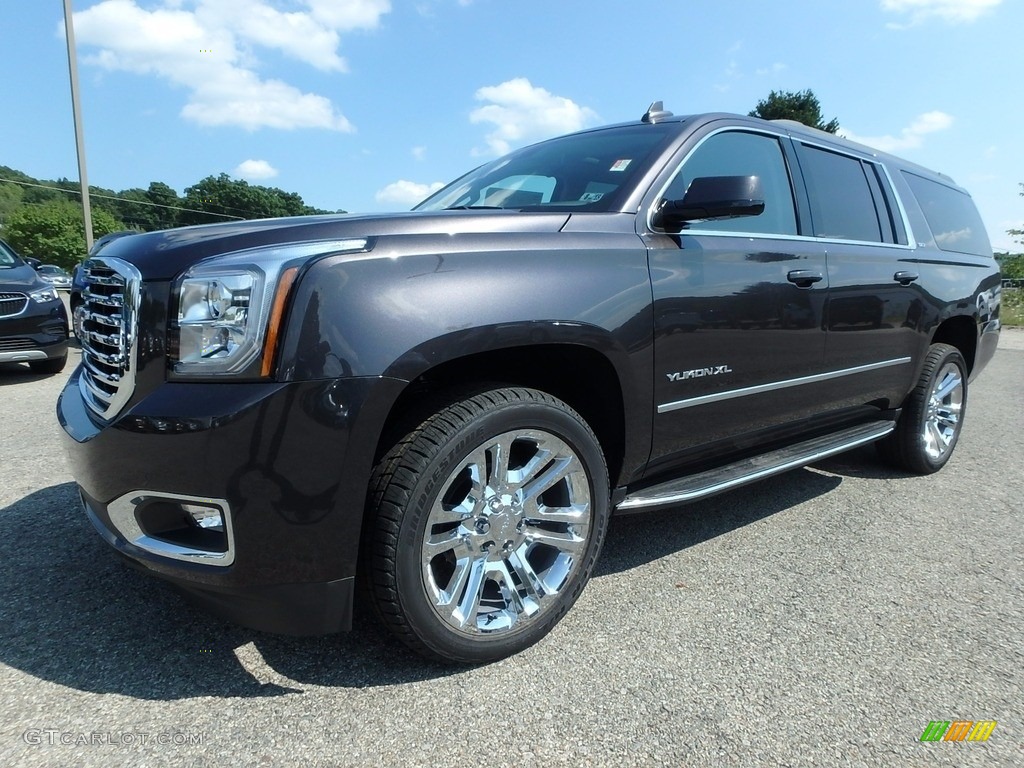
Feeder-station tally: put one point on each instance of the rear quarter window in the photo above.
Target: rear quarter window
(951, 215)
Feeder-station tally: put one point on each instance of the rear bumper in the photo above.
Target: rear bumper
(285, 464)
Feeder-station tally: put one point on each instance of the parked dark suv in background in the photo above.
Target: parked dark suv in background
(33, 321)
(448, 404)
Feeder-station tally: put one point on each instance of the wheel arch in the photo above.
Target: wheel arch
(580, 376)
(960, 331)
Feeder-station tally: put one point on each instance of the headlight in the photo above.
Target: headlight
(229, 306)
(43, 296)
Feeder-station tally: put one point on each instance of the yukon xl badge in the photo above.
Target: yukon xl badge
(699, 373)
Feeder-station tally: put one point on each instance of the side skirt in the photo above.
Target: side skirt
(699, 486)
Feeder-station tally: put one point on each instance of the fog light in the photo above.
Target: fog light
(208, 518)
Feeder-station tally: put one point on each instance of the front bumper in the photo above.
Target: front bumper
(287, 464)
(40, 332)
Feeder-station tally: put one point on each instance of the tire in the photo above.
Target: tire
(933, 414)
(486, 520)
(52, 365)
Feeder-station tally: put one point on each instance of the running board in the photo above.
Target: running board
(699, 486)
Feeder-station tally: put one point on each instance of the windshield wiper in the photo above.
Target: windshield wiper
(474, 208)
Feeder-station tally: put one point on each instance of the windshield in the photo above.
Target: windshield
(586, 171)
(50, 269)
(8, 258)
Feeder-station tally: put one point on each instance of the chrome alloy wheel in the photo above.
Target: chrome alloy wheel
(506, 532)
(942, 417)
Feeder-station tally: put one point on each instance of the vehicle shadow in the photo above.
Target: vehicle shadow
(634, 540)
(76, 615)
(863, 462)
(20, 373)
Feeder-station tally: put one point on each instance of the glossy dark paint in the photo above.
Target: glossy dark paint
(293, 455)
(45, 324)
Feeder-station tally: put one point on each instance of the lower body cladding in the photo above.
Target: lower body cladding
(247, 496)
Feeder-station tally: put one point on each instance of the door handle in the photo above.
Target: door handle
(804, 278)
(905, 278)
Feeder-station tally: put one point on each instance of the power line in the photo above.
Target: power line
(128, 200)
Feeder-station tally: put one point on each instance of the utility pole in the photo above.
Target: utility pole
(76, 108)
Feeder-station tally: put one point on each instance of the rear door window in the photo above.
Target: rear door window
(842, 203)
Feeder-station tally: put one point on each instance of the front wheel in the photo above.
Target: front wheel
(487, 519)
(933, 414)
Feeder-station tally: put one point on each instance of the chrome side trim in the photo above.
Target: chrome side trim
(121, 512)
(756, 390)
(849, 149)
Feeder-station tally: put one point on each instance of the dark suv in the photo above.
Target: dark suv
(448, 404)
(33, 321)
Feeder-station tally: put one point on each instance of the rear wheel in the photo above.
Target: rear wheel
(933, 414)
(487, 520)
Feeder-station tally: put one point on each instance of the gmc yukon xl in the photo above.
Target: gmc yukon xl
(445, 406)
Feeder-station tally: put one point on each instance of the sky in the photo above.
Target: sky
(369, 105)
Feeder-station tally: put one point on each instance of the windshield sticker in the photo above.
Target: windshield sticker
(591, 197)
(620, 165)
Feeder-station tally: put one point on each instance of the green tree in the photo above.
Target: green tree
(54, 232)
(10, 200)
(1011, 265)
(802, 106)
(1018, 233)
(236, 197)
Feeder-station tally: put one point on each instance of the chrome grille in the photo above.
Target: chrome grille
(109, 321)
(12, 304)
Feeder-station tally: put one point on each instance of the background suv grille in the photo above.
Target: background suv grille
(109, 318)
(12, 303)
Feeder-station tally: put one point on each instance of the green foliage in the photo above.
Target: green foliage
(1011, 265)
(10, 200)
(156, 207)
(1011, 309)
(235, 197)
(1017, 232)
(54, 232)
(802, 106)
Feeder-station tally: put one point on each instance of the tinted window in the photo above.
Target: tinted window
(842, 207)
(951, 215)
(742, 154)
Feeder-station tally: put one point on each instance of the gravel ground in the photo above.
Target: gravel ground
(820, 618)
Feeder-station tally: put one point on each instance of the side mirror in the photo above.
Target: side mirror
(34, 263)
(713, 197)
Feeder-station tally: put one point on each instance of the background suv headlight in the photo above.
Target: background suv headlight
(44, 295)
(228, 306)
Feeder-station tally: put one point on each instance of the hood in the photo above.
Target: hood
(164, 255)
(22, 278)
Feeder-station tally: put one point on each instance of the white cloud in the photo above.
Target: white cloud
(952, 11)
(521, 112)
(255, 170)
(910, 137)
(408, 193)
(774, 69)
(209, 48)
(419, 153)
